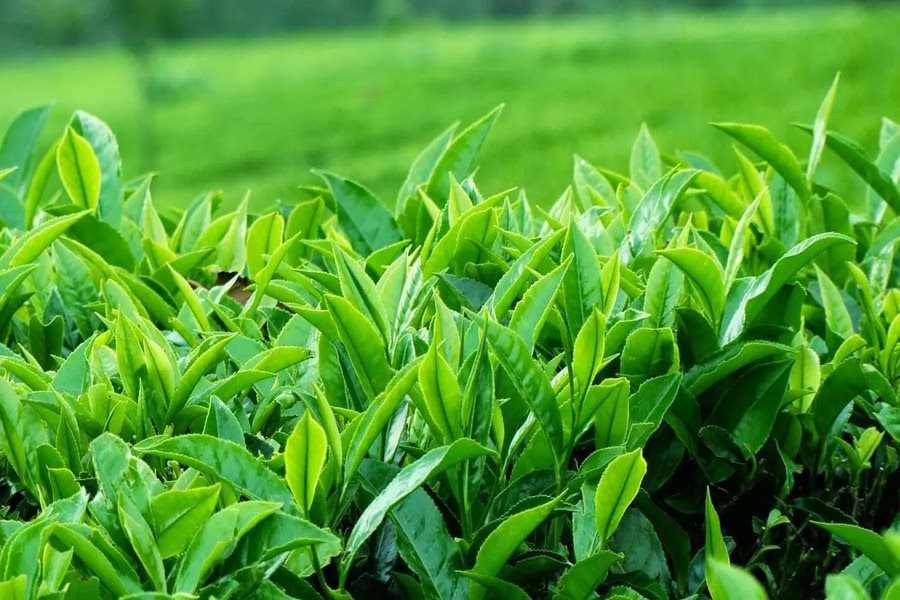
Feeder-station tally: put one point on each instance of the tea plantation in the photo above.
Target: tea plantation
(257, 114)
(639, 374)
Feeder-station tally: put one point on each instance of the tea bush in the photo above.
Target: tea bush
(672, 383)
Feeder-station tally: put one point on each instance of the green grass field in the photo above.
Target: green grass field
(261, 113)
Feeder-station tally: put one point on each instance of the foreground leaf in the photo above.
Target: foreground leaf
(304, 456)
(500, 545)
(618, 487)
(222, 460)
(406, 481)
(876, 547)
(368, 224)
(79, 170)
(727, 582)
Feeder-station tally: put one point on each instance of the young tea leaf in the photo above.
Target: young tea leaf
(618, 487)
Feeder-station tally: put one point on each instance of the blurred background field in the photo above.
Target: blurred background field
(257, 109)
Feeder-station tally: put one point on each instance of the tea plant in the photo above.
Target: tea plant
(670, 383)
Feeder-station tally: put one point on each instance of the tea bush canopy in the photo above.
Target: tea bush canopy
(675, 381)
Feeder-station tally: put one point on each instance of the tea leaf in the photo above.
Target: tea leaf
(79, 170)
(459, 158)
(645, 164)
(404, 483)
(222, 460)
(854, 156)
(580, 581)
(424, 165)
(780, 156)
(529, 379)
(617, 488)
(727, 582)
(749, 300)
(141, 538)
(879, 550)
(28, 247)
(705, 276)
(215, 538)
(179, 514)
(837, 316)
(422, 538)
(588, 351)
(500, 545)
(531, 312)
(369, 225)
(304, 456)
(443, 397)
(114, 571)
(19, 144)
(715, 548)
(820, 128)
(106, 149)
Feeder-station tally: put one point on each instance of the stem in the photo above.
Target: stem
(320, 576)
(829, 556)
(555, 534)
(466, 515)
(575, 415)
(786, 553)
(854, 491)
(875, 504)
(492, 498)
